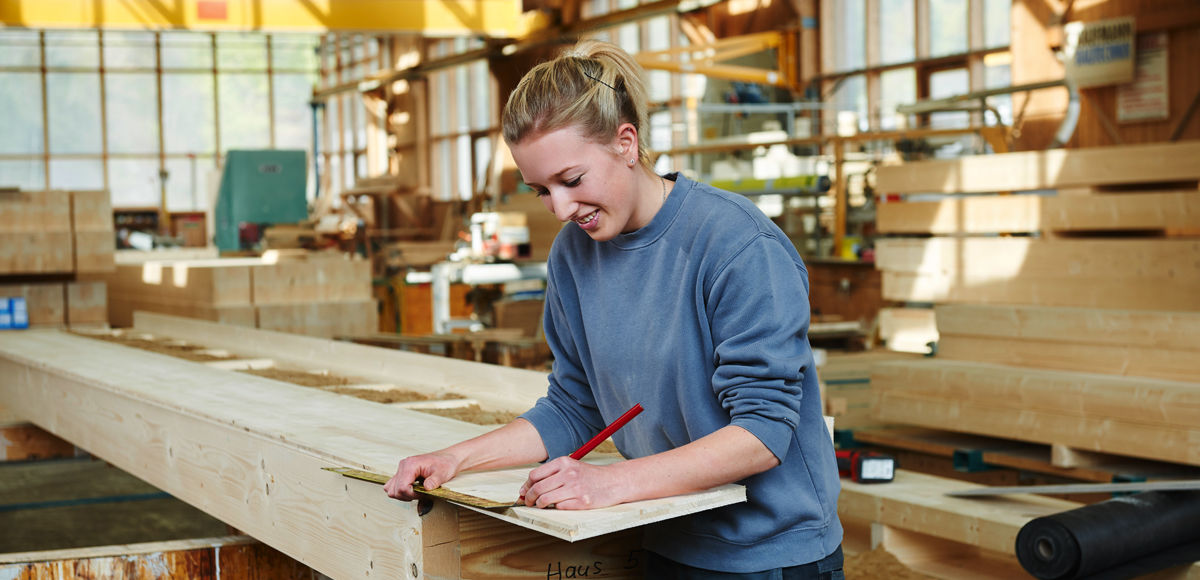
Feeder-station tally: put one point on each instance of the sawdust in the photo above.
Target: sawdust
(879, 563)
(186, 352)
(302, 378)
(473, 414)
(391, 395)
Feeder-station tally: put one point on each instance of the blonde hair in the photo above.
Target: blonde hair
(595, 86)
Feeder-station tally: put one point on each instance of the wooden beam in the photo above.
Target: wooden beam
(917, 502)
(1045, 169)
(1159, 403)
(1161, 345)
(207, 440)
(1158, 274)
(1122, 211)
(990, 259)
(1168, 330)
(1131, 360)
(1032, 213)
(230, 556)
(908, 329)
(970, 215)
(1095, 434)
(23, 441)
(202, 436)
(494, 18)
(1149, 293)
(497, 388)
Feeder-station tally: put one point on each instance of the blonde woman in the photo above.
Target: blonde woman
(676, 295)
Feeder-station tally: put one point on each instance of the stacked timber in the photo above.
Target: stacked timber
(49, 241)
(1079, 326)
(311, 294)
(845, 381)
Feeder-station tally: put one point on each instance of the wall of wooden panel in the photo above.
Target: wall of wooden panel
(1033, 61)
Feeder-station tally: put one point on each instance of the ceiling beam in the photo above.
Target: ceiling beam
(489, 18)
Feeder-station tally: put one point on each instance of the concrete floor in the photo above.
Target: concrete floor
(74, 503)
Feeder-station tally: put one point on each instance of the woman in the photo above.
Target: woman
(681, 297)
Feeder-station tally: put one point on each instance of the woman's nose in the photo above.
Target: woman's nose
(560, 203)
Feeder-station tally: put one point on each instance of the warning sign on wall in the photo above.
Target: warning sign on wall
(1099, 53)
(1145, 99)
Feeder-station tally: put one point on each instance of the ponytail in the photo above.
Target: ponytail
(594, 85)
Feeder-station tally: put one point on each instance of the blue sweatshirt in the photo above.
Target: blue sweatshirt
(702, 317)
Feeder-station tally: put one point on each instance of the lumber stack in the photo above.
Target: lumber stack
(310, 294)
(47, 240)
(1079, 328)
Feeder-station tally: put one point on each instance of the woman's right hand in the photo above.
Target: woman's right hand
(433, 469)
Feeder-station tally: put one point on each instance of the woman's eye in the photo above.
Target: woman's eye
(541, 192)
(574, 182)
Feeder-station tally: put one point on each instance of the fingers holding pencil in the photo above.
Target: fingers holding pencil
(568, 483)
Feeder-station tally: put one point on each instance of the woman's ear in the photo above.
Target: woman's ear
(627, 142)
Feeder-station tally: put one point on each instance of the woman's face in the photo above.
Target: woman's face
(589, 183)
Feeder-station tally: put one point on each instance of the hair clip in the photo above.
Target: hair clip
(585, 73)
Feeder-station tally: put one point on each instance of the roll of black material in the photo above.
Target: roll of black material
(1085, 541)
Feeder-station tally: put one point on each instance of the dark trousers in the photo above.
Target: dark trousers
(827, 568)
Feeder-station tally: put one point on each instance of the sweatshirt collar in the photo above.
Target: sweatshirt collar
(662, 220)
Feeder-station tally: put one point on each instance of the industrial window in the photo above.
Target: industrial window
(897, 31)
(464, 117)
(911, 50)
(146, 114)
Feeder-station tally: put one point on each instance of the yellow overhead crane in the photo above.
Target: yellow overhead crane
(491, 18)
(708, 59)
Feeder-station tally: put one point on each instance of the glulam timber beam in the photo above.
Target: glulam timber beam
(490, 18)
(250, 451)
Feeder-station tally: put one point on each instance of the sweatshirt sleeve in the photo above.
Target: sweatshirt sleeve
(568, 415)
(759, 312)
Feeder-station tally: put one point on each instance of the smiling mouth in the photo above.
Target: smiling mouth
(588, 219)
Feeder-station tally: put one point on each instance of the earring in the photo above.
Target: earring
(632, 161)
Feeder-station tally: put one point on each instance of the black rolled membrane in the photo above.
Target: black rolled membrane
(1118, 538)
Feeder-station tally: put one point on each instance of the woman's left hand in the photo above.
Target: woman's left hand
(570, 484)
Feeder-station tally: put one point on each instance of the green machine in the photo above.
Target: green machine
(258, 188)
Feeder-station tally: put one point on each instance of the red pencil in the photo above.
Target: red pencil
(607, 432)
